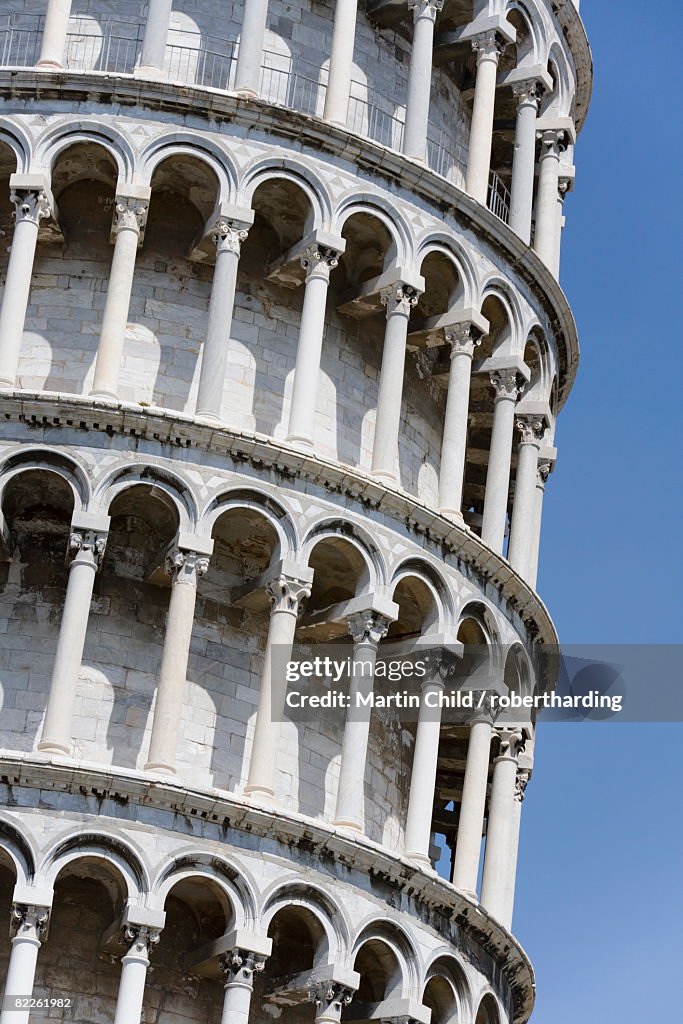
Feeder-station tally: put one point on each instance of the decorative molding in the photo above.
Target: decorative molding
(30, 205)
(87, 542)
(506, 384)
(488, 45)
(130, 214)
(240, 965)
(186, 566)
(531, 428)
(287, 593)
(368, 628)
(463, 338)
(228, 236)
(399, 298)
(319, 260)
(29, 921)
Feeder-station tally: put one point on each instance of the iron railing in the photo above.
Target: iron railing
(498, 197)
(20, 38)
(212, 68)
(112, 47)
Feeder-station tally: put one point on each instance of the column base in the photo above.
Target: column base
(299, 441)
(52, 747)
(147, 71)
(454, 514)
(246, 94)
(420, 860)
(386, 476)
(209, 416)
(49, 65)
(107, 396)
(9, 384)
(162, 769)
(349, 825)
(260, 793)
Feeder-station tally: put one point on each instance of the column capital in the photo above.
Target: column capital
(330, 999)
(521, 782)
(368, 627)
(463, 338)
(29, 921)
(319, 260)
(543, 471)
(130, 214)
(554, 141)
(239, 966)
(488, 45)
(399, 298)
(87, 544)
(186, 566)
(528, 90)
(531, 429)
(425, 8)
(228, 235)
(506, 384)
(512, 743)
(140, 939)
(287, 593)
(31, 204)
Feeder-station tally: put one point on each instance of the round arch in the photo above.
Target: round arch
(238, 888)
(352, 533)
(488, 1011)
(443, 964)
(65, 134)
(174, 487)
(442, 243)
(265, 169)
(50, 461)
(377, 206)
(399, 943)
(280, 518)
(17, 140)
(117, 853)
(496, 287)
(189, 145)
(293, 893)
(21, 848)
(436, 584)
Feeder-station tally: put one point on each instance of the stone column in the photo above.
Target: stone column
(399, 299)
(185, 568)
(527, 94)
(367, 629)
(420, 78)
(563, 186)
(423, 775)
(472, 808)
(129, 221)
(463, 339)
(330, 1000)
(32, 204)
(55, 28)
(488, 46)
(250, 53)
(542, 473)
(318, 261)
(506, 386)
(227, 237)
(523, 776)
(500, 831)
(28, 927)
(153, 56)
(86, 549)
(524, 506)
(287, 594)
(547, 226)
(341, 62)
(239, 967)
(134, 973)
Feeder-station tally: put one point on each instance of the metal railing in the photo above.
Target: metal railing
(112, 47)
(212, 68)
(294, 83)
(498, 197)
(20, 38)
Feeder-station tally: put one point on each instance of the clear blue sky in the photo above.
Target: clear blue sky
(600, 889)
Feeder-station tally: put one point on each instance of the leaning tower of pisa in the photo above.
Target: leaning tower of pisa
(282, 351)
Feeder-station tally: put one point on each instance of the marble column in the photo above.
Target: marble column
(129, 221)
(399, 299)
(318, 261)
(287, 594)
(28, 929)
(527, 95)
(563, 186)
(463, 339)
(238, 968)
(367, 629)
(542, 473)
(420, 77)
(32, 204)
(55, 28)
(185, 568)
(227, 237)
(523, 524)
(341, 62)
(86, 550)
(546, 242)
(488, 46)
(250, 52)
(507, 388)
(134, 973)
(153, 56)
(522, 780)
(330, 1000)
(423, 774)
(472, 808)
(500, 831)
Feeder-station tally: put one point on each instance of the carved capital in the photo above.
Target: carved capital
(89, 543)
(425, 8)
(543, 471)
(531, 428)
(186, 566)
(488, 45)
(506, 384)
(521, 782)
(240, 966)
(553, 141)
(399, 298)
(129, 215)
(320, 260)
(30, 205)
(29, 922)
(512, 743)
(528, 91)
(227, 236)
(330, 999)
(463, 339)
(139, 939)
(287, 594)
(368, 628)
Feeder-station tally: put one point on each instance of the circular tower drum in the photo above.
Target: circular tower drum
(282, 350)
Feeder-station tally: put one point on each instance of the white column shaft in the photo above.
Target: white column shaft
(481, 131)
(55, 28)
(538, 523)
(131, 988)
(115, 316)
(56, 735)
(341, 61)
(153, 56)
(524, 166)
(20, 976)
(250, 53)
(237, 1002)
(399, 303)
(472, 807)
(524, 508)
(215, 354)
(423, 777)
(454, 444)
(547, 225)
(498, 473)
(499, 837)
(515, 831)
(16, 292)
(420, 79)
(173, 670)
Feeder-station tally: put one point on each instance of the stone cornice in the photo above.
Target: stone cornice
(127, 92)
(574, 32)
(38, 409)
(88, 781)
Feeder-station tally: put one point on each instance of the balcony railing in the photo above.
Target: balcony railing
(285, 81)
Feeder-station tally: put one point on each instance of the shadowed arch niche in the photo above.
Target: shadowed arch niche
(8, 166)
(446, 992)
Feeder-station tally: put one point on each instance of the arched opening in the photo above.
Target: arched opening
(299, 944)
(8, 879)
(534, 352)
(418, 609)
(340, 572)
(446, 992)
(488, 1011)
(8, 166)
(381, 977)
